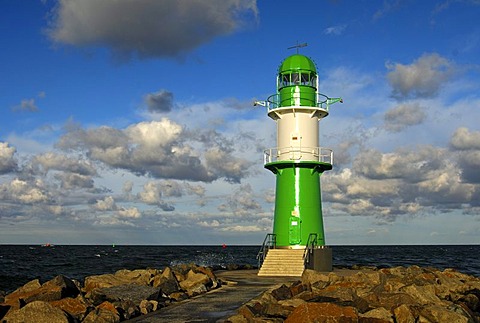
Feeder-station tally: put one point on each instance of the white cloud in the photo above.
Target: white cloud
(335, 30)
(22, 191)
(464, 139)
(107, 204)
(7, 161)
(423, 78)
(129, 213)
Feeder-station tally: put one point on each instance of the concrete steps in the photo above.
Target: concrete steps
(283, 262)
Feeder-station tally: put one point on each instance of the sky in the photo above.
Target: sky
(132, 121)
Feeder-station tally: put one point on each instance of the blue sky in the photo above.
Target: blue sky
(132, 122)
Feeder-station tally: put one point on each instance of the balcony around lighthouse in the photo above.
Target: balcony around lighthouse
(298, 101)
(320, 157)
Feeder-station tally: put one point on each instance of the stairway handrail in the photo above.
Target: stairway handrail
(270, 242)
(311, 244)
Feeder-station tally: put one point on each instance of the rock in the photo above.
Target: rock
(38, 312)
(472, 301)
(278, 310)
(237, 319)
(322, 312)
(53, 290)
(141, 277)
(193, 281)
(137, 276)
(167, 282)
(437, 313)
(104, 313)
(298, 288)
(130, 292)
(178, 296)
(389, 300)
(422, 294)
(75, 307)
(381, 314)
(311, 277)
(294, 302)
(405, 314)
(283, 292)
(148, 306)
(251, 309)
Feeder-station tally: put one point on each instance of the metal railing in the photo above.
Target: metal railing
(320, 101)
(269, 242)
(311, 244)
(320, 154)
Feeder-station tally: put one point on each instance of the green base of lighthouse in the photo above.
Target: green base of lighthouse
(298, 205)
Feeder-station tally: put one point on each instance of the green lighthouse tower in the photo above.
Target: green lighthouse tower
(298, 161)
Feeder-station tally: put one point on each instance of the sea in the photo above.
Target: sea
(20, 264)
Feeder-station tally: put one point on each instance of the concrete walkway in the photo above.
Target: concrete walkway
(219, 304)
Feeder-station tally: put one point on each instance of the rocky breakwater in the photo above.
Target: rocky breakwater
(105, 298)
(369, 295)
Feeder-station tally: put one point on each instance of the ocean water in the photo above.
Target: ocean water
(22, 263)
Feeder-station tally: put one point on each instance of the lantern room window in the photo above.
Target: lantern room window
(291, 79)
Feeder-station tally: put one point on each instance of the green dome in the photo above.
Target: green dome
(297, 62)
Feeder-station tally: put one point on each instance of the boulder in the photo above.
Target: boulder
(38, 312)
(103, 313)
(53, 290)
(405, 314)
(422, 294)
(75, 307)
(437, 313)
(323, 312)
(193, 280)
(399, 294)
(167, 282)
(130, 292)
(282, 292)
(141, 277)
(148, 306)
(379, 314)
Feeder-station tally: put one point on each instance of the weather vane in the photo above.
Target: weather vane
(297, 46)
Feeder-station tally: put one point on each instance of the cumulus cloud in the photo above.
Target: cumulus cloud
(107, 204)
(22, 191)
(129, 213)
(53, 161)
(407, 181)
(233, 169)
(464, 139)
(7, 161)
(74, 181)
(159, 102)
(161, 149)
(466, 144)
(403, 116)
(147, 28)
(421, 79)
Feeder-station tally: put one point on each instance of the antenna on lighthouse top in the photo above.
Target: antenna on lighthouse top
(297, 46)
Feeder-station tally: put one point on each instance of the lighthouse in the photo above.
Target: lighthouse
(297, 161)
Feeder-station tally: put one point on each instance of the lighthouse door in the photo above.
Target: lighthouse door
(294, 236)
